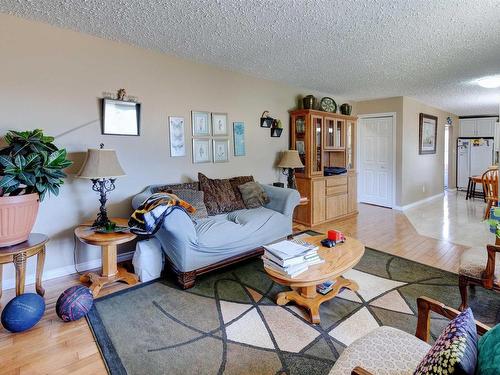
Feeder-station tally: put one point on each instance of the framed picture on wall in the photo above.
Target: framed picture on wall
(219, 124)
(120, 117)
(427, 134)
(176, 135)
(202, 152)
(239, 138)
(200, 123)
(221, 150)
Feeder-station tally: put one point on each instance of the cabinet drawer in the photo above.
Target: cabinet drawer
(334, 190)
(336, 181)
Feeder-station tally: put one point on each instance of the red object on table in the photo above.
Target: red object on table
(334, 235)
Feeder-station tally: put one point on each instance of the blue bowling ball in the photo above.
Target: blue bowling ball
(23, 312)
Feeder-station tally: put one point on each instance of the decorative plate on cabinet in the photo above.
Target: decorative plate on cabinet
(328, 105)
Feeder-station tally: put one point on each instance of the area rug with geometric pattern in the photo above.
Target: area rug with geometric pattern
(229, 323)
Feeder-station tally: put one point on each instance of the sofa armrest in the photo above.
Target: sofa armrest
(141, 197)
(282, 200)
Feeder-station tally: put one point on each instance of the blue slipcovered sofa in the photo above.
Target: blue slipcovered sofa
(194, 247)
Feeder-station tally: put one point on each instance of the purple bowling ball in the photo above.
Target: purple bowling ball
(74, 303)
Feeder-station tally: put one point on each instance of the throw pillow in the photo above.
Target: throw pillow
(219, 195)
(253, 195)
(455, 350)
(488, 348)
(235, 182)
(195, 199)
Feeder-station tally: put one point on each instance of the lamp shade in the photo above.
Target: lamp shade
(290, 159)
(101, 163)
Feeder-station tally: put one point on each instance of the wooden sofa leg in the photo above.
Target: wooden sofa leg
(462, 285)
(186, 280)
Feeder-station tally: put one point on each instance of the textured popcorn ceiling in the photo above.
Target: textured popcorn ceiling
(358, 49)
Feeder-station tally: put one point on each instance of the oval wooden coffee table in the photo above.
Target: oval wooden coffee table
(338, 260)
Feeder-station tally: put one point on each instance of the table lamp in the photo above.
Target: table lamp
(101, 166)
(289, 161)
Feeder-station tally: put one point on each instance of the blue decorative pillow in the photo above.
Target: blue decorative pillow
(455, 350)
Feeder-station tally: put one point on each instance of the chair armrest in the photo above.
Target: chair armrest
(426, 305)
(360, 371)
(282, 200)
(489, 272)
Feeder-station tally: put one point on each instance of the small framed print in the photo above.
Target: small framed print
(202, 152)
(177, 139)
(120, 117)
(219, 124)
(221, 150)
(427, 134)
(239, 138)
(201, 123)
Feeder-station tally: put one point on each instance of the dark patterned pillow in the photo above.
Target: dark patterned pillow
(253, 195)
(235, 182)
(455, 350)
(219, 195)
(186, 185)
(195, 199)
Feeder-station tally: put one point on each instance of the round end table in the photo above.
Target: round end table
(108, 243)
(18, 254)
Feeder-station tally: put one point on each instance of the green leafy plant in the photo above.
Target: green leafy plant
(31, 163)
(494, 221)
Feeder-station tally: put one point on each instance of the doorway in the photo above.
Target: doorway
(446, 155)
(376, 159)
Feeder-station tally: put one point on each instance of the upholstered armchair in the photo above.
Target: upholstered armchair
(388, 350)
(479, 267)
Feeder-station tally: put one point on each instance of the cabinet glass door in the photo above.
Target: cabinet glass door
(317, 145)
(329, 133)
(339, 135)
(300, 140)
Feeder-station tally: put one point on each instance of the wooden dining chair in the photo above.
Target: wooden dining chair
(490, 187)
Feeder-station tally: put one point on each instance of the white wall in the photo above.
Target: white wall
(52, 78)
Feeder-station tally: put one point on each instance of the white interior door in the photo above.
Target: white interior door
(376, 160)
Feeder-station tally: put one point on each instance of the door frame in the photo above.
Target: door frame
(394, 144)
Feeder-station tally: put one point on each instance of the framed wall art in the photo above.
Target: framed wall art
(202, 152)
(201, 123)
(221, 150)
(219, 124)
(177, 137)
(120, 117)
(427, 134)
(239, 138)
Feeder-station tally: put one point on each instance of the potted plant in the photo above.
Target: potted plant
(30, 168)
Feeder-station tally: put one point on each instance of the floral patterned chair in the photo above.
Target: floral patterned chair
(479, 267)
(390, 351)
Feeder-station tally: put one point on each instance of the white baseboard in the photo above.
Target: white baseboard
(64, 271)
(417, 203)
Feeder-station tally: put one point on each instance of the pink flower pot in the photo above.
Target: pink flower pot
(17, 218)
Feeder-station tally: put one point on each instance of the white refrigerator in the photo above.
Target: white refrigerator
(474, 157)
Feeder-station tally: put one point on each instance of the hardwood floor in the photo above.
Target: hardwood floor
(54, 347)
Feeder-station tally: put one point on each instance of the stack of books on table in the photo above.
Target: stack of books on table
(291, 258)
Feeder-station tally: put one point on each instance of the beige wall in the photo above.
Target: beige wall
(423, 174)
(417, 176)
(52, 78)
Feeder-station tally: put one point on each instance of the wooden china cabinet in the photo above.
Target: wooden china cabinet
(324, 139)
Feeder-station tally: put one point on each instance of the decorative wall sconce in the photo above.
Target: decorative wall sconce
(266, 121)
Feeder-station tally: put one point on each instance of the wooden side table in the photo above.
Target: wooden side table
(18, 254)
(108, 243)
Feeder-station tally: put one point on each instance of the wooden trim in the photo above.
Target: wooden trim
(187, 280)
(426, 305)
(360, 371)
(320, 113)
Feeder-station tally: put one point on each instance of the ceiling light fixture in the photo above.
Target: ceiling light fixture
(490, 82)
